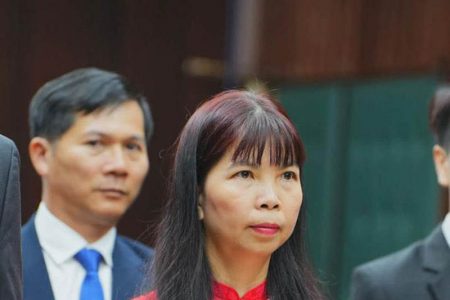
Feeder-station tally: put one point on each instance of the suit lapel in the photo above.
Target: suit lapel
(36, 281)
(127, 271)
(436, 262)
(440, 289)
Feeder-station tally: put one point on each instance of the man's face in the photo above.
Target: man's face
(442, 165)
(95, 170)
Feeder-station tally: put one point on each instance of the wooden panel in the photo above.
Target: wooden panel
(404, 35)
(306, 39)
(310, 39)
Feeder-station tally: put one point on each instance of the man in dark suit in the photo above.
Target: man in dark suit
(10, 259)
(89, 134)
(422, 270)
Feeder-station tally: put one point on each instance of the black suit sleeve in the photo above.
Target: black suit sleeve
(10, 247)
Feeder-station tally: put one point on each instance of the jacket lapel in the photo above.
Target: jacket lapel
(36, 281)
(440, 289)
(127, 271)
(436, 262)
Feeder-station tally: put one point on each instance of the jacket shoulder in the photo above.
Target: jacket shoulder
(399, 275)
(395, 264)
(6, 142)
(140, 249)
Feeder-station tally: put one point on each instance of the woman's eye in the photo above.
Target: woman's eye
(289, 175)
(244, 174)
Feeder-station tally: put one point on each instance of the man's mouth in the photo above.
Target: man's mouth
(113, 192)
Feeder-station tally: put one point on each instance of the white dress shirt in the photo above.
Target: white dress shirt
(59, 244)
(446, 228)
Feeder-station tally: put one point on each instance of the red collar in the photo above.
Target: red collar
(224, 292)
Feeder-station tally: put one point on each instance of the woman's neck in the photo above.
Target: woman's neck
(242, 271)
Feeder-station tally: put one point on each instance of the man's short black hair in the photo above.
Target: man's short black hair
(439, 115)
(54, 106)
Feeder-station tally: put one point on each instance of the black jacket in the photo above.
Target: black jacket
(10, 258)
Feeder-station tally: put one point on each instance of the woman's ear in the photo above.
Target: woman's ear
(39, 151)
(200, 207)
(441, 165)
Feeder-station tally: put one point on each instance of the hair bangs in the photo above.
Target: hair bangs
(266, 132)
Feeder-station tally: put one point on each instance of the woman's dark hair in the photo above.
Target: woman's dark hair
(250, 122)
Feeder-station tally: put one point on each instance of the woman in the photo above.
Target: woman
(233, 227)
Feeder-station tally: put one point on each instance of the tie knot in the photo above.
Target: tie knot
(89, 259)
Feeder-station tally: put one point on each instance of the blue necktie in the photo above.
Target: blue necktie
(91, 288)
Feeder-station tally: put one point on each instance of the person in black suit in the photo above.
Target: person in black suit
(10, 258)
(89, 134)
(422, 270)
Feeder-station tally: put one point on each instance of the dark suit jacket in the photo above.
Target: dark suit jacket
(10, 259)
(129, 259)
(421, 271)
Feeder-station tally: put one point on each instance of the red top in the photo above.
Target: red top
(224, 292)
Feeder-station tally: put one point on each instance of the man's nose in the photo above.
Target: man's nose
(117, 161)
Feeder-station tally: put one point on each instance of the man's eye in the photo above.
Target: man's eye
(93, 143)
(134, 147)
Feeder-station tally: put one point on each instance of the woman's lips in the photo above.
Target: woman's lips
(265, 228)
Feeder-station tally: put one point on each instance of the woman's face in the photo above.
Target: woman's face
(249, 208)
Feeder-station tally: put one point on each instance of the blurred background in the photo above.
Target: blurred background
(354, 75)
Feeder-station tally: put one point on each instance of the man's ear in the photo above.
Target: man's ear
(200, 207)
(39, 150)
(441, 165)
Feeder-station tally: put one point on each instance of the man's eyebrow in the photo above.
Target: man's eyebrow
(137, 138)
(134, 137)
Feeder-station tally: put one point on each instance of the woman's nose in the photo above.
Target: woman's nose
(268, 198)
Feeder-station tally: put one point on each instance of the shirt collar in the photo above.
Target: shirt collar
(51, 231)
(222, 291)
